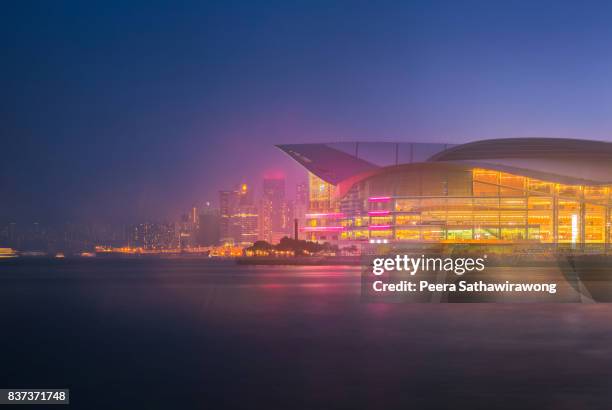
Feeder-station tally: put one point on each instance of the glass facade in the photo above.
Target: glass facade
(433, 202)
(320, 194)
(324, 222)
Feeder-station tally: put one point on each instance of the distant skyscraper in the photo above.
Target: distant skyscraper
(274, 216)
(301, 193)
(209, 226)
(245, 220)
(300, 206)
(194, 216)
(238, 215)
(225, 214)
(265, 220)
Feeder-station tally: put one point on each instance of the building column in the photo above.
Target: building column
(582, 224)
(555, 217)
(607, 229)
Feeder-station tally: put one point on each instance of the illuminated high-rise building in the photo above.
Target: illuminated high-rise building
(238, 216)
(244, 219)
(273, 211)
(265, 220)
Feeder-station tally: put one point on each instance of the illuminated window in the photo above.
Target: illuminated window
(410, 219)
(408, 234)
(485, 189)
(321, 194)
(511, 185)
(459, 234)
(540, 218)
(536, 185)
(594, 223)
(485, 182)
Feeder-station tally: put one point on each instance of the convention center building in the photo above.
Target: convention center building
(554, 191)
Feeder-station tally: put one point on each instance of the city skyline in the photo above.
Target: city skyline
(530, 191)
(241, 216)
(114, 111)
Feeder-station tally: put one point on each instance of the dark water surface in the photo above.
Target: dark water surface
(193, 334)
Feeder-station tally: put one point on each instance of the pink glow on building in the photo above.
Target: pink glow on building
(273, 174)
(379, 213)
(379, 198)
(379, 227)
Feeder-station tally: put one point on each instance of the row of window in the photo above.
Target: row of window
(478, 204)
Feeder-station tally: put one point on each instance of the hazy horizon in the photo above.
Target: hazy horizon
(116, 111)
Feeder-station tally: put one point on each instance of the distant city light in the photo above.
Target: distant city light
(379, 198)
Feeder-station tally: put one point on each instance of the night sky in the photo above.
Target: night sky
(129, 110)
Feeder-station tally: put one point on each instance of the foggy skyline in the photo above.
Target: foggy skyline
(115, 111)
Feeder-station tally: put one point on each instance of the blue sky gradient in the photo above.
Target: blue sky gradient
(135, 110)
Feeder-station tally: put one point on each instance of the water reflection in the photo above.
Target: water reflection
(214, 335)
